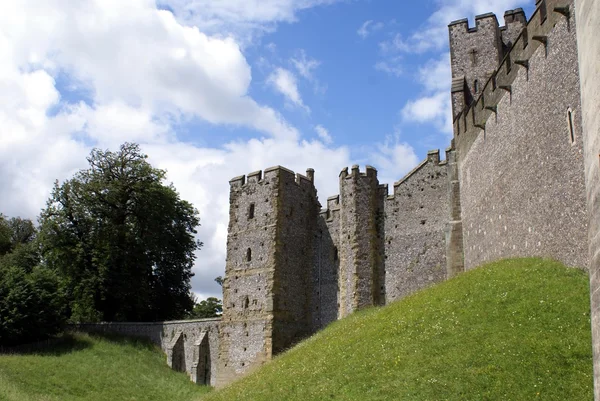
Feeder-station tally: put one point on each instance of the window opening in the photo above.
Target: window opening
(571, 127)
(251, 211)
(473, 57)
(249, 255)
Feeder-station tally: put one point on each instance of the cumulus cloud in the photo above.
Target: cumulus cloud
(434, 105)
(245, 19)
(284, 82)
(393, 158)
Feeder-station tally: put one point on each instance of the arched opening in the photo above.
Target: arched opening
(176, 354)
(476, 86)
(201, 368)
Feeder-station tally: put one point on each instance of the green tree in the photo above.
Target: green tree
(210, 307)
(122, 240)
(31, 303)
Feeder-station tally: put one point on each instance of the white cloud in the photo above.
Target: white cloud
(393, 159)
(305, 65)
(435, 74)
(394, 45)
(284, 82)
(368, 27)
(243, 18)
(434, 105)
(392, 67)
(134, 53)
(323, 134)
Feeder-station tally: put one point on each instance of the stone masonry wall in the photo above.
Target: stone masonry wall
(520, 153)
(475, 52)
(360, 251)
(415, 220)
(588, 27)
(248, 290)
(298, 210)
(187, 333)
(326, 265)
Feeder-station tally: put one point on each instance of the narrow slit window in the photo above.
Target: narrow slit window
(248, 255)
(476, 85)
(571, 126)
(251, 211)
(335, 254)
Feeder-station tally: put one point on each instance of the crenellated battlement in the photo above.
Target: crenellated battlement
(287, 175)
(370, 171)
(471, 121)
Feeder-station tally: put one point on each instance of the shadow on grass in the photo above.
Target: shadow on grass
(75, 341)
(62, 344)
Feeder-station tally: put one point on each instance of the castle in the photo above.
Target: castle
(512, 184)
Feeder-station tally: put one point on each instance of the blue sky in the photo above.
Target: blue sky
(215, 89)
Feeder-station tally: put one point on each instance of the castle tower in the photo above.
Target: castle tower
(514, 23)
(265, 298)
(474, 55)
(360, 244)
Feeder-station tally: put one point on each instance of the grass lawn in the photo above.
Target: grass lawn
(511, 330)
(94, 368)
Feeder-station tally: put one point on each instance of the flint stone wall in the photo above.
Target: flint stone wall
(191, 351)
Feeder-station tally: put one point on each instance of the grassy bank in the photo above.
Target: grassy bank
(512, 330)
(88, 368)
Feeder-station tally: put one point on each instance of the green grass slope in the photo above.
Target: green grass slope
(512, 330)
(94, 368)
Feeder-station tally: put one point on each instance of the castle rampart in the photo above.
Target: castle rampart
(415, 219)
(588, 26)
(520, 152)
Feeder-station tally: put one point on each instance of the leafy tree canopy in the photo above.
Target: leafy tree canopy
(31, 303)
(210, 307)
(122, 241)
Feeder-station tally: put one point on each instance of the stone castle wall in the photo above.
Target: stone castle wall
(415, 219)
(191, 346)
(296, 228)
(520, 154)
(588, 26)
(248, 300)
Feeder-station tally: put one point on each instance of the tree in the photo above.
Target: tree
(122, 240)
(31, 303)
(210, 307)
